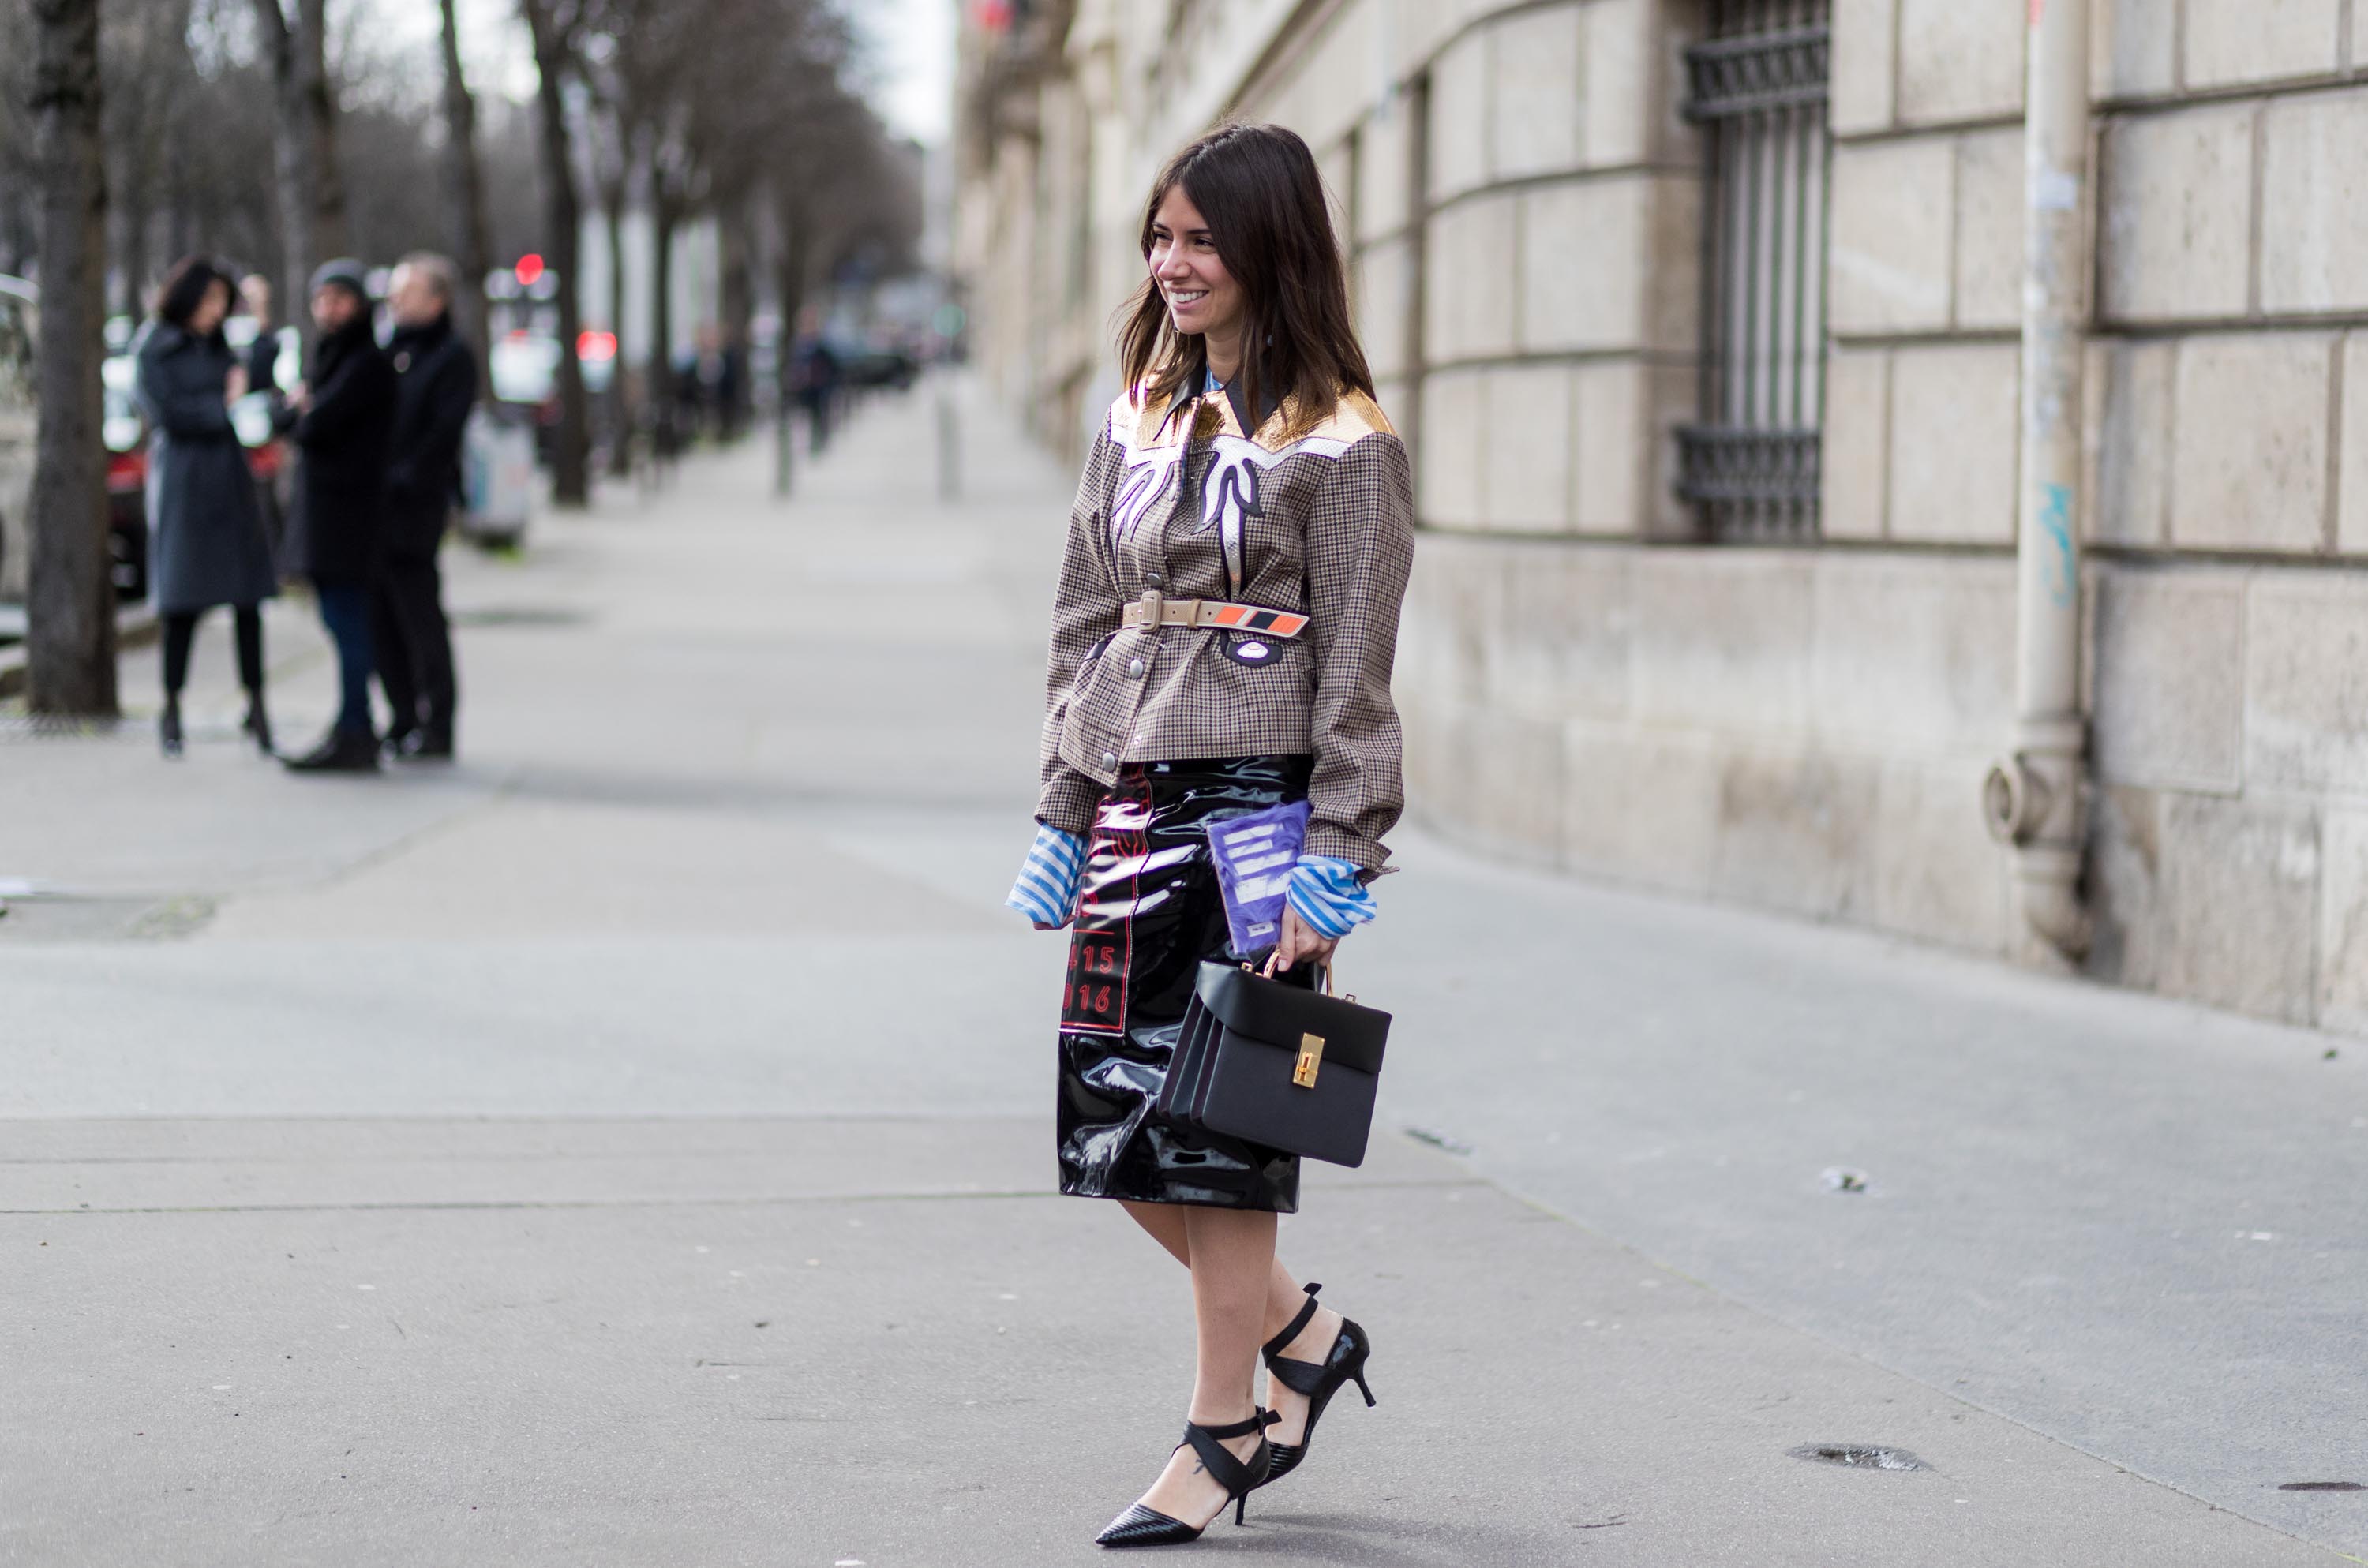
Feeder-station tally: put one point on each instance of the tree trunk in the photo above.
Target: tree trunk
(661, 390)
(134, 210)
(319, 99)
(71, 602)
(739, 307)
(466, 190)
(620, 396)
(293, 160)
(791, 267)
(570, 481)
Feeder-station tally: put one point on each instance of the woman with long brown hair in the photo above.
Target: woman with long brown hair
(1223, 633)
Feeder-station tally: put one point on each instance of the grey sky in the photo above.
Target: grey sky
(911, 43)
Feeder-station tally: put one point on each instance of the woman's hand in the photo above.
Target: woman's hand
(1299, 944)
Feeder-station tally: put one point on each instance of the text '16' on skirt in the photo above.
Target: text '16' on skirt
(1149, 913)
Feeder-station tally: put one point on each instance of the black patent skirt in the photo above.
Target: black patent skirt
(1148, 914)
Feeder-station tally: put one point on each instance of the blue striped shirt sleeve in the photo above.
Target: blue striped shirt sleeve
(1325, 893)
(1046, 890)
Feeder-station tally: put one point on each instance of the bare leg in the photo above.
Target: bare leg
(1233, 1264)
(1167, 1224)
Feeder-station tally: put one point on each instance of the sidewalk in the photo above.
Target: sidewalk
(629, 1146)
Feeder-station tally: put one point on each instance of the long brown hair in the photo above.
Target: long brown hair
(1258, 187)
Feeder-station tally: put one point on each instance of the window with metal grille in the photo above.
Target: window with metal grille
(1757, 87)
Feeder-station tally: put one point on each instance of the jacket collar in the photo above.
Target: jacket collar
(427, 334)
(335, 345)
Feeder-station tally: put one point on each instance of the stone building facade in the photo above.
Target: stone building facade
(1596, 673)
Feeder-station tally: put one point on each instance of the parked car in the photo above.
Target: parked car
(524, 370)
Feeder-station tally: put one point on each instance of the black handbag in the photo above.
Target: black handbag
(1276, 1065)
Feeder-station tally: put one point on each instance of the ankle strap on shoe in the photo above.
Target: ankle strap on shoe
(1230, 1473)
(1257, 1423)
(1274, 1347)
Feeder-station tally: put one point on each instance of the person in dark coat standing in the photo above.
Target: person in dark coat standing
(436, 383)
(206, 541)
(342, 415)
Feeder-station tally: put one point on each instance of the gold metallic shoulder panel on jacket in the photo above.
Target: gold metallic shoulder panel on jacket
(1147, 426)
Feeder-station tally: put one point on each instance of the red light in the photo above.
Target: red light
(594, 344)
(528, 268)
(994, 15)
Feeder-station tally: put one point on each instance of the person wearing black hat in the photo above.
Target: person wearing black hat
(341, 418)
(436, 383)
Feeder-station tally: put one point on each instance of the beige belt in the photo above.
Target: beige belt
(1155, 609)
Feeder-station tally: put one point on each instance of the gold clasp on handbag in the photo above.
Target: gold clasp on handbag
(1311, 1057)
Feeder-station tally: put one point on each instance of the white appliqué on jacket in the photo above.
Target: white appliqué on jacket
(1229, 496)
(1146, 479)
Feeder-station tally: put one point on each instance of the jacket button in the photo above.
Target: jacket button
(1135, 668)
(1154, 580)
(1110, 759)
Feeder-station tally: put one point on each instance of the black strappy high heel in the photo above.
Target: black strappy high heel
(1140, 1526)
(1319, 1382)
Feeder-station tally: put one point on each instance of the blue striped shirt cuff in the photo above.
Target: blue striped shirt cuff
(1325, 893)
(1046, 890)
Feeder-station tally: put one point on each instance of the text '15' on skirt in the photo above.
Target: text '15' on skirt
(1149, 914)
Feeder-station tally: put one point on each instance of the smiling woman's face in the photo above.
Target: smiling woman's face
(1201, 296)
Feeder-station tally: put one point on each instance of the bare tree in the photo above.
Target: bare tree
(616, 156)
(556, 28)
(465, 188)
(144, 42)
(649, 83)
(71, 605)
(311, 190)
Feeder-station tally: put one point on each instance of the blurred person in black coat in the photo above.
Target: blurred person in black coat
(341, 418)
(436, 384)
(206, 540)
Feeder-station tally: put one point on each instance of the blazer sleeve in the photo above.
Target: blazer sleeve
(1360, 554)
(1085, 613)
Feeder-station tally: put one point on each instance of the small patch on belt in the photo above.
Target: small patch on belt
(1249, 650)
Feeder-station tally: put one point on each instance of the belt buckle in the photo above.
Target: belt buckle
(1151, 603)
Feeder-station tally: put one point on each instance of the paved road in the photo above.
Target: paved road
(629, 1146)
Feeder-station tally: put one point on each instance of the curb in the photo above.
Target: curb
(134, 627)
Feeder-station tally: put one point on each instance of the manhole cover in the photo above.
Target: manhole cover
(1858, 1456)
(2323, 1486)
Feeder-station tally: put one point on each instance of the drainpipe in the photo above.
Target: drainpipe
(2036, 798)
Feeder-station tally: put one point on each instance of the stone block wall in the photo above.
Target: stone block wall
(2228, 483)
(1807, 729)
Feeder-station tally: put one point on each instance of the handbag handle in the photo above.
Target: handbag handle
(1271, 958)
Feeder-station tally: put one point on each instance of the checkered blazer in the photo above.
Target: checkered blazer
(1319, 518)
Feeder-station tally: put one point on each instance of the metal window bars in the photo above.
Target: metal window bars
(1757, 84)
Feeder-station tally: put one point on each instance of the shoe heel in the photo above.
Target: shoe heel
(1240, 1504)
(1370, 1399)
